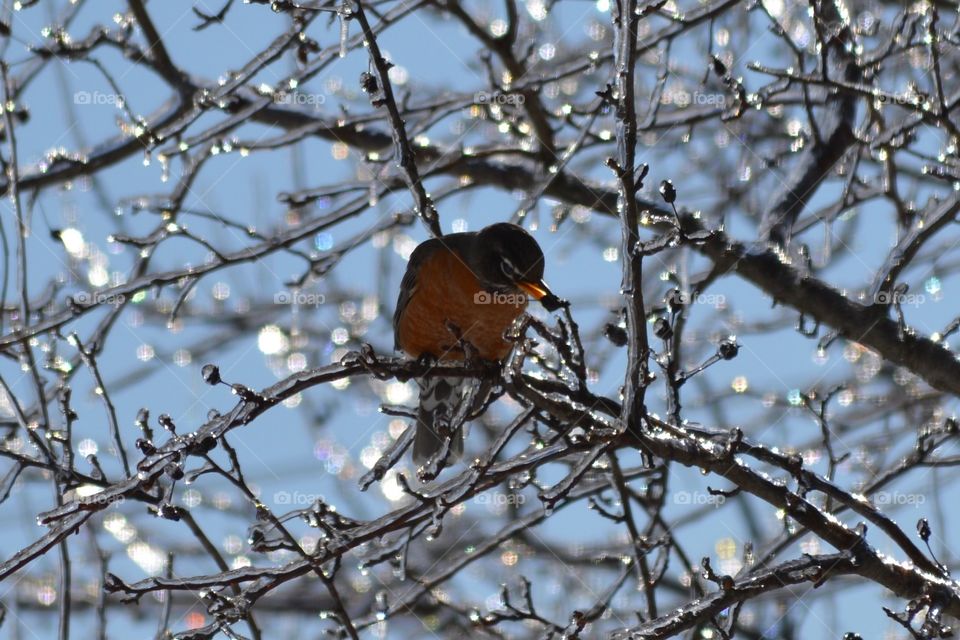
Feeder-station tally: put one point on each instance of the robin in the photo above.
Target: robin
(459, 295)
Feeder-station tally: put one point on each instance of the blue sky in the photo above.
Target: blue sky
(318, 446)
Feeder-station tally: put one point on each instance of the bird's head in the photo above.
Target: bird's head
(509, 259)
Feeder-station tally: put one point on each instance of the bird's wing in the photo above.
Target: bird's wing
(409, 283)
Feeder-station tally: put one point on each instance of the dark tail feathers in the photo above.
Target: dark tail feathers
(445, 405)
(440, 402)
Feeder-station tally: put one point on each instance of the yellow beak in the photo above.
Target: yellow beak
(536, 290)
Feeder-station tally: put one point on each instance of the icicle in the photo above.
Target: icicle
(344, 13)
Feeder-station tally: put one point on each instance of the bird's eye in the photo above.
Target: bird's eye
(508, 269)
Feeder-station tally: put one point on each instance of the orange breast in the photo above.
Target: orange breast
(447, 291)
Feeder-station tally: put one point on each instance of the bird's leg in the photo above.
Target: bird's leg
(426, 360)
(422, 363)
(470, 355)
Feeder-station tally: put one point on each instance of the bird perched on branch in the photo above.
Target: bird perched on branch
(459, 295)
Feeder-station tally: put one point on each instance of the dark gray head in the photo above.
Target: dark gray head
(507, 258)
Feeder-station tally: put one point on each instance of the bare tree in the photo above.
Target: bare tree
(777, 180)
